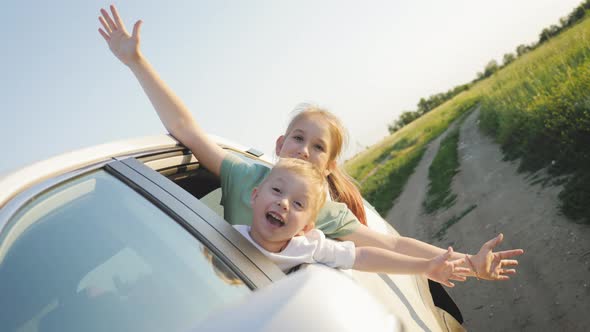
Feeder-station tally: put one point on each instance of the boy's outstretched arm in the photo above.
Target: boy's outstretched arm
(175, 116)
(489, 264)
(440, 269)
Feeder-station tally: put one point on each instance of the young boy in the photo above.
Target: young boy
(285, 206)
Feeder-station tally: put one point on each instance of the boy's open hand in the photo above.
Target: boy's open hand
(490, 265)
(124, 46)
(442, 270)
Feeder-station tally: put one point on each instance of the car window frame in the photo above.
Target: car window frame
(255, 272)
(150, 166)
(220, 237)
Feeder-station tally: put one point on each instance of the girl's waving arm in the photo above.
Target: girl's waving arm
(488, 264)
(175, 116)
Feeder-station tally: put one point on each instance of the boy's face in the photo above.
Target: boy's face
(282, 207)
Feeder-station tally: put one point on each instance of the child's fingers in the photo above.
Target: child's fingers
(491, 244)
(458, 278)
(510, 253)
(448, 254)
(117, 18)
(137, 29)
(444, 257)
(104, 35)
(459, 262)
(461, 270)
(108, 19)
(105, 25)
(509, 262)
(509, 271)
(448, 284)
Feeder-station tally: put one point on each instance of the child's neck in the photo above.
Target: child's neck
(275, 247)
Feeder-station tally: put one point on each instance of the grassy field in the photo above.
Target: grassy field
(398, 154)
(537, 108)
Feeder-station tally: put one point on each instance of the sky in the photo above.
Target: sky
(242, 66)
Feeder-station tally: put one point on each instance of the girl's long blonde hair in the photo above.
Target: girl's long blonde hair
(342, 186)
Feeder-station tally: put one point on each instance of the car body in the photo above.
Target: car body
(130, 236)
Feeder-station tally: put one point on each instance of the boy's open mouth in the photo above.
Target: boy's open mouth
(275, 219)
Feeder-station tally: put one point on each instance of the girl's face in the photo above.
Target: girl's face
(309, 139)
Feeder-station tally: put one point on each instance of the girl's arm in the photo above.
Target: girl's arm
(366, 237)
(488, 264)
(175, 116)
(439, 269)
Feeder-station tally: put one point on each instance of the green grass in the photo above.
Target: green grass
(387, 154)
(538, 109)
(407, 146)
(389, 181)
(441, 172)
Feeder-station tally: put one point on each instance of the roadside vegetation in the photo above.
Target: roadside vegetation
(440, 174)
(397, 164)
(536, 104)
(539, 110)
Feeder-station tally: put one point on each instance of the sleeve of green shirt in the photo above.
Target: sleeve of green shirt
(232, 169)
(238, 178)
(336, 220)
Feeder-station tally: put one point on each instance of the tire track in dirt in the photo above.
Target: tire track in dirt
(405, 214)
(552, 288)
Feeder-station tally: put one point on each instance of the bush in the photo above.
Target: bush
(539, 111)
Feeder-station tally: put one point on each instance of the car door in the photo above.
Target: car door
(118, 247)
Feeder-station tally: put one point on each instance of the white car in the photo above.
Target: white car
(130, 236)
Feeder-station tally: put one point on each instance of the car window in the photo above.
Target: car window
(186, 172)
(179, 174)
(94, 255)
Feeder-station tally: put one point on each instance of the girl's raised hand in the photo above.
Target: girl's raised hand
(491, 265)
(124, 46)
(442, 270)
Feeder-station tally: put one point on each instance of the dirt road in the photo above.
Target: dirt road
(552, 288)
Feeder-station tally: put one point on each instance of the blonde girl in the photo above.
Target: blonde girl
(314, 135)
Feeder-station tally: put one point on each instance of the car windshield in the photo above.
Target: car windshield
(94, 255)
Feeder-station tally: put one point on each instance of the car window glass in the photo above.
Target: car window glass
(94, 255)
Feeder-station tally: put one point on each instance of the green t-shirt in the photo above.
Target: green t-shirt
(238, 179)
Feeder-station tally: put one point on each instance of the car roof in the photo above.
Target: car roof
(26, 177)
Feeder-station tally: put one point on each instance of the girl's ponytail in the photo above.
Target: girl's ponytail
(343, 189)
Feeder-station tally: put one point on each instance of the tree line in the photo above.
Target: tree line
(425, 105)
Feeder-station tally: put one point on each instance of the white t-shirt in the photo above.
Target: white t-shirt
(313, 247)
